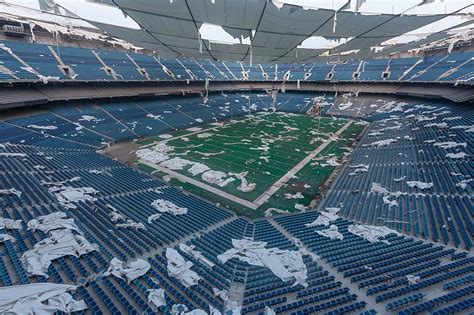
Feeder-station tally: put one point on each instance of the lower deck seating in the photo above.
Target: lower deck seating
(348, 276)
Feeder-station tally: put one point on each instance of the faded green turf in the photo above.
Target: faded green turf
(292, 142)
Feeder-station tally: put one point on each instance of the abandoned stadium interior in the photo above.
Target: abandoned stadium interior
(149, 169)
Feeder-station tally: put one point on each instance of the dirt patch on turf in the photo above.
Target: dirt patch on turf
(124, 151)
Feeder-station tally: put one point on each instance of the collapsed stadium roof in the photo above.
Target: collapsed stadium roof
(265, 31)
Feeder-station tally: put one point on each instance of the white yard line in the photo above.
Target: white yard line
(203, 130)
(199, 184)
(285, 178)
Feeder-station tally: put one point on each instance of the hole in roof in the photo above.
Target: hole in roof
(217, 34)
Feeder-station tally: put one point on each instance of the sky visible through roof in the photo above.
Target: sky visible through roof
(214, 33)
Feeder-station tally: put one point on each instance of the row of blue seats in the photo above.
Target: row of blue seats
(88, 64)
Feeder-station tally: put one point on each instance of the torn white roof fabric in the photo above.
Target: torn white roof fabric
(53, 221)
(6, 237)
(180, 269)
(11, 191)
(12, 154)
(68, 195)
(232, 308)
(60, 243)
(371, 233)
(190, 250)
(115, 217)
(361, 168)
(377, 188)
(132, 224)
(127, 271)
(222, 294)
(157, 297)
(325, 217)
(284, 264)
(332, 233)
(214, 311)
(39, 298)
(10, 224)
(420, 185)
(459, 155)
(269, 311)
(181, 309)
(413, 279)
(165, 206)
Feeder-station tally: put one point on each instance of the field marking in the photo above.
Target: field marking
(264, 196)
(285, 178)
(202, 185)
(206, 130)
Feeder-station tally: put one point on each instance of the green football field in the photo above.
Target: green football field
(251, 164)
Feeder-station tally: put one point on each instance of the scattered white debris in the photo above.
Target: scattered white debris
(459, 155)
(67, 195)
(332, 233)
(127, 271)
(383, 143)
(325, 217)
(155, 117)
(205, 135)
(9, 154)
(53, 221)
(60, 243)
(232, 308)
(244, 185)
(285, 264)
(180, 269)
(90, 118)
(176, 163)
(298, 195)
(157, 297)
(463, 183)
(165, 136)
(377, 188)
(215, 177)
(450, 144)
(399, 179)
(391, 203)
(268, 212)
(11, 191)
(300, 207)
(412, 279)
(222, 294)
(151, 155)
(194, 129)
(10, 224)
(198, 168)
(199, 120)
(269, 311)
(166, 206)
(42, 127)
(371, 233)
(94, 171)
(438, 125)
(361, 168)
(130, 223)
(6, 237)
(421, 185)
(452, 118)
(332, 161)
(190, 250)
(39, 298)
(115, 216)
(466, 128)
